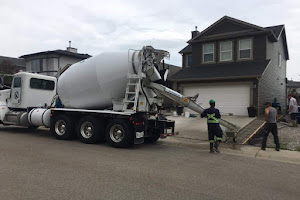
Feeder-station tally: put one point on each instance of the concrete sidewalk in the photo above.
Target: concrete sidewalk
(196, 128)
(193, 134)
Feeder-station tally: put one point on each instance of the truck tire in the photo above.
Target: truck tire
(62, 128)
(119, 134)
(90, 130)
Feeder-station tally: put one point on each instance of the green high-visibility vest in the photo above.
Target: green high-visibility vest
(211, 119)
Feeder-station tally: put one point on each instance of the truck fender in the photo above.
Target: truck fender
(3, 110)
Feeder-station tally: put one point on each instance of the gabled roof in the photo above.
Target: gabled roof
(59, 52)
(276, 30)
(187, 49)
(234, 70)
(274, 33)
(246, 24)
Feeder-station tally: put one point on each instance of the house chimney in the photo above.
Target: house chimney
(195, 32)
(71, 49)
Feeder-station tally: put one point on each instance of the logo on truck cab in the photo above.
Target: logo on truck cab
(16, 94)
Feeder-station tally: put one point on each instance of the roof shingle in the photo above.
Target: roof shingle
(222, 71)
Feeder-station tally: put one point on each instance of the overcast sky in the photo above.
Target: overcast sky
(29, 26)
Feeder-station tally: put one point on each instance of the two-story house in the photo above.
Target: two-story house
(49, 62)
(236, 63)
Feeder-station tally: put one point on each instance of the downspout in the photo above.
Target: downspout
(257, 93)
(58, 67)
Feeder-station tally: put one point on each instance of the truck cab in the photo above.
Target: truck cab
(31, 90)
(28, 91)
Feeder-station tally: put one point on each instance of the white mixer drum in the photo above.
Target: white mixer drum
(94, 82)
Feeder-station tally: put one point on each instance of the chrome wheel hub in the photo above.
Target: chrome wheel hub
(87, 130)
(60, 127)
(116, 133)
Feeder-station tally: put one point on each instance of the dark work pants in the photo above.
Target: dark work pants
(270, 127)
(214, 130)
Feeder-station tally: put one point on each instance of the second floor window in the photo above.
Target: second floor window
(208, 53)
(279, 60)
(226, 51)
(245, 48)
(189, 60)
(37, 65)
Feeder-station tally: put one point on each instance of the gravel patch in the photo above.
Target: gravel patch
(289, 138)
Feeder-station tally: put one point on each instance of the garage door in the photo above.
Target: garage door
(229, 98)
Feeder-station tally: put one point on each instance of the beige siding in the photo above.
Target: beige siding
(63, 61)
(273, 81)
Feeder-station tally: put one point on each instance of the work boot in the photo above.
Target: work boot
(211, 148)
(216, 150)
(295, 123)
(216, 145)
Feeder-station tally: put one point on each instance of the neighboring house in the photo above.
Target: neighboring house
(50, 62)
(293, 87)
(172, 69)
(236, 63)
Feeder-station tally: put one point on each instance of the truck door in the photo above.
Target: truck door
(16, 90)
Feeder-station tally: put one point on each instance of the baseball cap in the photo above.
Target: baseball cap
(212, 101)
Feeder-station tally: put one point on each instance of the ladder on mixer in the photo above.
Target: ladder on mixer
(132, 92)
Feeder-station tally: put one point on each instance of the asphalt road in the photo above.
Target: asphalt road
(33, 165)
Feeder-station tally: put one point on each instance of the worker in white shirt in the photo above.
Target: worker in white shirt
(293, 109)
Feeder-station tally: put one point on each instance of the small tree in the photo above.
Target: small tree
(7, 69)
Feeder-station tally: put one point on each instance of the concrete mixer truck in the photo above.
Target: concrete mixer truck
(112, 96)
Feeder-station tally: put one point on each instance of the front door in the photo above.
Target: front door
(16, 90)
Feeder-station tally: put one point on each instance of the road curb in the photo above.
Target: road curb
(241, 150)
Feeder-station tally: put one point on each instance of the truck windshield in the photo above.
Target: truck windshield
(42, 84)
(17, 82)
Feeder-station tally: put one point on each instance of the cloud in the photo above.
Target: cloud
(97, 26)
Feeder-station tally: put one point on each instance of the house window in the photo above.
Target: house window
(208, 53)
(189, 60)
(279, 60)
(37, 65)
(245, 48)
(226, 51)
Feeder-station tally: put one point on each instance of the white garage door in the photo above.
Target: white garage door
(229, 98)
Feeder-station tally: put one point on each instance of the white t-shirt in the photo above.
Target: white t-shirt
(294, 104)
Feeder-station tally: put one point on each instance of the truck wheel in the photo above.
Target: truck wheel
(62, 128)
(90, 130)
(119, 134)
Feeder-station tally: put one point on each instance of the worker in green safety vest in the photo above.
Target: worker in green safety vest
(213, 115)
